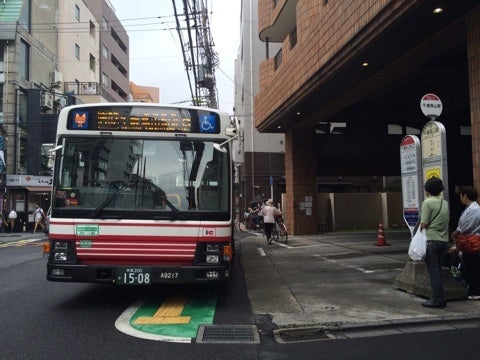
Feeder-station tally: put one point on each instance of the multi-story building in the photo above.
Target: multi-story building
(345, 88)
(52, 53)
(145, 94)
(262, 173)
(113, 64)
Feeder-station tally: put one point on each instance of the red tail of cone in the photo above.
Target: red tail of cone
(381, 237)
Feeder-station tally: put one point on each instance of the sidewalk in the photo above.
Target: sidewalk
(337, 281)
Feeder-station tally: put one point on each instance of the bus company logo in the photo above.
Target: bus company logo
(80, 120)
(209, 232)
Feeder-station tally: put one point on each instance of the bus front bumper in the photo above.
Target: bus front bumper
(137, 274)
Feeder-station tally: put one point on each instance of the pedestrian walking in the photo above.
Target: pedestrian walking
(38, 217)
(468, 230)
(12, 217)
(269, 212)
(434, 218)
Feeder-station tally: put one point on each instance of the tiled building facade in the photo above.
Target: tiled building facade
(365, 63)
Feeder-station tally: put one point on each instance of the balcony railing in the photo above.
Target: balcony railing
(82, 88)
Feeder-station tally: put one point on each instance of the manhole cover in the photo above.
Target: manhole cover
(245, 334)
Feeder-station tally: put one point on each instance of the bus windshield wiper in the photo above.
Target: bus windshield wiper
(109, 199)
(167, 202)
(173, 208)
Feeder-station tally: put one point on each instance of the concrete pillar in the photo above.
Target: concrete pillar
(473, 55)
(301, 188)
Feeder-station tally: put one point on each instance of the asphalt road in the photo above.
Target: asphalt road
(44, 320)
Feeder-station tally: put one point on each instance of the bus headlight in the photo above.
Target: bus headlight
(212, 259)
(60, 256)
(60, 245)
(59, 250)
(213, 248)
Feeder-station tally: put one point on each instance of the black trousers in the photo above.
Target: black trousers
(434, 257)
(472, 272)
(268, 229)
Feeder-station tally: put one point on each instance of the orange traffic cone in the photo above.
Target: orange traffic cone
(381, 237)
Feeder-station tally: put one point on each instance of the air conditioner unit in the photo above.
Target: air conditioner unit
(56, 77)
(47, 101)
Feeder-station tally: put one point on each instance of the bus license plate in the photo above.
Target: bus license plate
(134, 276)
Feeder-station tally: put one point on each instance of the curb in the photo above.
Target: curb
(388, 327)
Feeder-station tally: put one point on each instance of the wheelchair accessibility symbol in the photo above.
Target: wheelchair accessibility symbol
(207, 124)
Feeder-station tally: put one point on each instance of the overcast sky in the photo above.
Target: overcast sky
(155, 52)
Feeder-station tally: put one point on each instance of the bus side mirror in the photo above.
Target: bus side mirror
(51, 156)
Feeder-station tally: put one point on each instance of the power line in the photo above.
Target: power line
(199, 58)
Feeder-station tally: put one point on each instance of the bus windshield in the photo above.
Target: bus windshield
(104, 177)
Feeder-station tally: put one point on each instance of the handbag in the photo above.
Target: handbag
(418, 245)
(468, 244)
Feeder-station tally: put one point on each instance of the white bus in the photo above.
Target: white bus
(142, 194)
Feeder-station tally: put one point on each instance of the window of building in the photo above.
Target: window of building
(104, 52)
(119, 41)
(25, 18)
(77, 52)
(394, 129)
(331, 128)
(105, 24)
(277, 61)
(92, 62)
(399, 129)
(24, 62)
(77, 12)
(293, 38)
(22, 156)
(22, 109)
(1, 103)
(105, 80)
(412, 131)
(92, 29)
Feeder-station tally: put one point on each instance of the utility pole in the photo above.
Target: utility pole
(200, 60)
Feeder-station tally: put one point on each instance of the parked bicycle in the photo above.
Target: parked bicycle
(252, 223)
(279, 231)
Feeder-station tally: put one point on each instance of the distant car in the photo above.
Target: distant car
(46, 229)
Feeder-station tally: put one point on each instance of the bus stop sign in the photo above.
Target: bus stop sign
(431, 106)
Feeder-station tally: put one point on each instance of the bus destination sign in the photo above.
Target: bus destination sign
(139, 118)
(162, 122)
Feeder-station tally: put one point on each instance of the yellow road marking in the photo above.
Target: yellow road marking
(19, 243)
(169, 313)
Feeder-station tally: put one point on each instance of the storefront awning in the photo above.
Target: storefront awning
(39, 188)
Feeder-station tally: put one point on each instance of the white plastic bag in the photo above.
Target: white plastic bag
(418, 245)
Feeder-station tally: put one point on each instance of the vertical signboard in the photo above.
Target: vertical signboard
(434, 153)
(412, 193)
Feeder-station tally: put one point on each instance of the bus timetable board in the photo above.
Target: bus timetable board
(144, 118)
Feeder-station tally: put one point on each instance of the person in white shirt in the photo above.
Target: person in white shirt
(469, 224)
(38, 216)
(269, 212)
